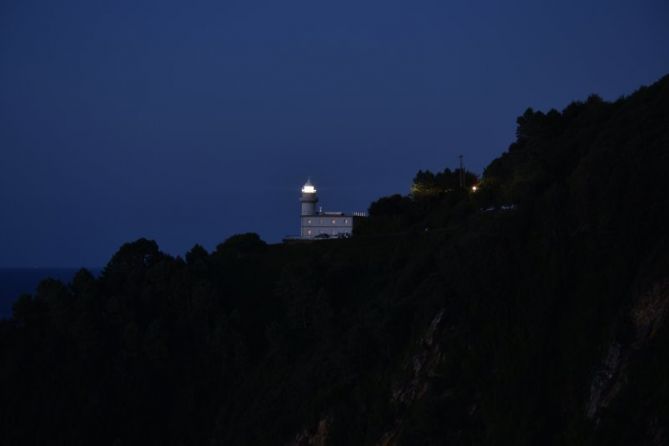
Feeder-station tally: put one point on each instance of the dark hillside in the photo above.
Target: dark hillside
(530, 311)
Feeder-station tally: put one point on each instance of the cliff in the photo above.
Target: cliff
(532, 311)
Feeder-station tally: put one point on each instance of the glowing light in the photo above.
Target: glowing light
(474, 188)
(308, 189)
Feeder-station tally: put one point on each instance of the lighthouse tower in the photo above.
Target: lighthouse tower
(319, 224)
(308, 199)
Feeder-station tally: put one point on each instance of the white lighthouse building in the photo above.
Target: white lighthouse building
(316, 224)
(309, 199)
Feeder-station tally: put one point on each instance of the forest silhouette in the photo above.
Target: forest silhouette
(529, 311)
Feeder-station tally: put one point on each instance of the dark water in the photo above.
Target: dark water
(15, 281)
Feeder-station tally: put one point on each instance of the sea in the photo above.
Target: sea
(16, 281)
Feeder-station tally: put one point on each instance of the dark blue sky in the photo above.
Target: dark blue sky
(187, 122)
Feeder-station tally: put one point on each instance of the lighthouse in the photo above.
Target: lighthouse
(309, 199)
(317, 224)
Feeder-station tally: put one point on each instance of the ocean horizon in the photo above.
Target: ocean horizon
(17, 281)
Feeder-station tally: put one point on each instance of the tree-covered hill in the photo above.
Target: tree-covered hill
(532, 311)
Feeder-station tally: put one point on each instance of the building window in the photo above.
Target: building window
(309, 221)
(346, 221)
(309, 232)
(334, 221)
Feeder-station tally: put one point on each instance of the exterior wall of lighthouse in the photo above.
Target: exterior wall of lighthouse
(332, 225)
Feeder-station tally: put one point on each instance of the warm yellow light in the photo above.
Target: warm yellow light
(308, 189)
(474, 188)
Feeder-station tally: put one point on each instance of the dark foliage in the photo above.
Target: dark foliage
(532, 311)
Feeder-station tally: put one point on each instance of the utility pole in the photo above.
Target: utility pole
(462, 174)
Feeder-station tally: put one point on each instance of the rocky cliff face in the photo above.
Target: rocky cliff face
(646, 319)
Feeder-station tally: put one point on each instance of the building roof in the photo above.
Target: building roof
(335, 214)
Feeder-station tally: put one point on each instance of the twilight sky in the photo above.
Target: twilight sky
(189, 121)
